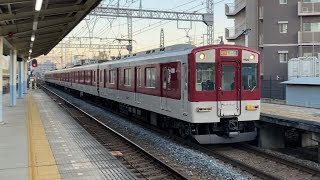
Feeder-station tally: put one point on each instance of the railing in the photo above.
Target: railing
(234, 32)
(308, 37)
(261, 12)
(261, 40)
(233, 8)
(305, 9)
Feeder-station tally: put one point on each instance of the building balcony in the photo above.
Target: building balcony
(234, 8)
(234, 32)
(309, 38)
(308, 9)
(261, 40)
(261, 13)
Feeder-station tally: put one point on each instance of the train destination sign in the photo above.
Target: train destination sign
(224, 52)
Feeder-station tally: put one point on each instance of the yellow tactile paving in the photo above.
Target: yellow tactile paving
(42, 164)
(302, 113)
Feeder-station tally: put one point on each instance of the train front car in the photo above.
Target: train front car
(224, 93)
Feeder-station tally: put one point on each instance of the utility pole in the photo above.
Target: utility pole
(210, 29)
(129, 20)
(161, 38)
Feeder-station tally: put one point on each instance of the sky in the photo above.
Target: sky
(146, 32)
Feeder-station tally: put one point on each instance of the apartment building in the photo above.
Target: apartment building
(280, 30)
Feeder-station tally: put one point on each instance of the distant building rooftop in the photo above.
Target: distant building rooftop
(314, 81)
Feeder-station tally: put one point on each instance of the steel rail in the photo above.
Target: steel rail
(234, 162)
(175, 173)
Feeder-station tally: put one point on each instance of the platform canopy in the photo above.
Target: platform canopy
(20, 22)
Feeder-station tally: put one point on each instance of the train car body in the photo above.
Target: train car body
(209, 93)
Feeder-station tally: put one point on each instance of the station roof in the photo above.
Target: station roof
(19, 21)
(315, 81)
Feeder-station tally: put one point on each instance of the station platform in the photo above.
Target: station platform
(41, 141)
(298, 117)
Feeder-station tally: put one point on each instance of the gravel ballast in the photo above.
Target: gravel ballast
(200, 165)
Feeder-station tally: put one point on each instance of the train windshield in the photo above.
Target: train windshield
(249, 76)
(228, 77)
(205, 76)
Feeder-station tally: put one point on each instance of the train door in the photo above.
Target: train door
(99, 76)
(164, 86)
(138, 82)
(228, 93)
(184, 88)
(118, 81)
(170, 86)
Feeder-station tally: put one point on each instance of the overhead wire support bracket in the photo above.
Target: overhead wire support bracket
(152, 14)
(206, 18)
(93, 46)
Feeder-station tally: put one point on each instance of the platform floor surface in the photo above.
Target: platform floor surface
(13, 141)
(292, 112)
(77, 154)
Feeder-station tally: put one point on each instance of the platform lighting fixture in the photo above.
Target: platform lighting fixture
(33, 37)
(30, 51)
(38, 5)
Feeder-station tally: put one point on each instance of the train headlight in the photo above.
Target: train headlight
(252, 57)
(202, 56)
(251, 107)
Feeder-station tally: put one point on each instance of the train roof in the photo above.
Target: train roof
(170, 51)
(221, 46)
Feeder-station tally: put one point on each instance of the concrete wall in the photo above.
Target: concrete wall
(248, 17)
(5, 62)
(303, 95)
(252, 23)
(273, 13)
(271, 63)
(268, 28)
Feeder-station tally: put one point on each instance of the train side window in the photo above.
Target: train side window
(112, 75)
(83, 77)
(249, 76)
(138, 74)
(93, 74)
(105, 78)
(127, 77)
(150, 77)
(100, 76)
(205, 75)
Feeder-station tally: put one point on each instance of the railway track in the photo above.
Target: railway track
(141, 163)
(274, 166)
(254, 161)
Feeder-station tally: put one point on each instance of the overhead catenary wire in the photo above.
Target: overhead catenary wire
(169, 21)
(106, 29)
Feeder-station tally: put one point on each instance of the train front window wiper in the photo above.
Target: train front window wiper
(253, 88)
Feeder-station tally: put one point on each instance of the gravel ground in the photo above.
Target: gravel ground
(291, 158)
(195, 163)
(271, 167)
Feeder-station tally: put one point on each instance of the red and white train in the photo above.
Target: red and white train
(209, 93)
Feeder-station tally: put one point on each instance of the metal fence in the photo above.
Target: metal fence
(272, 88)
